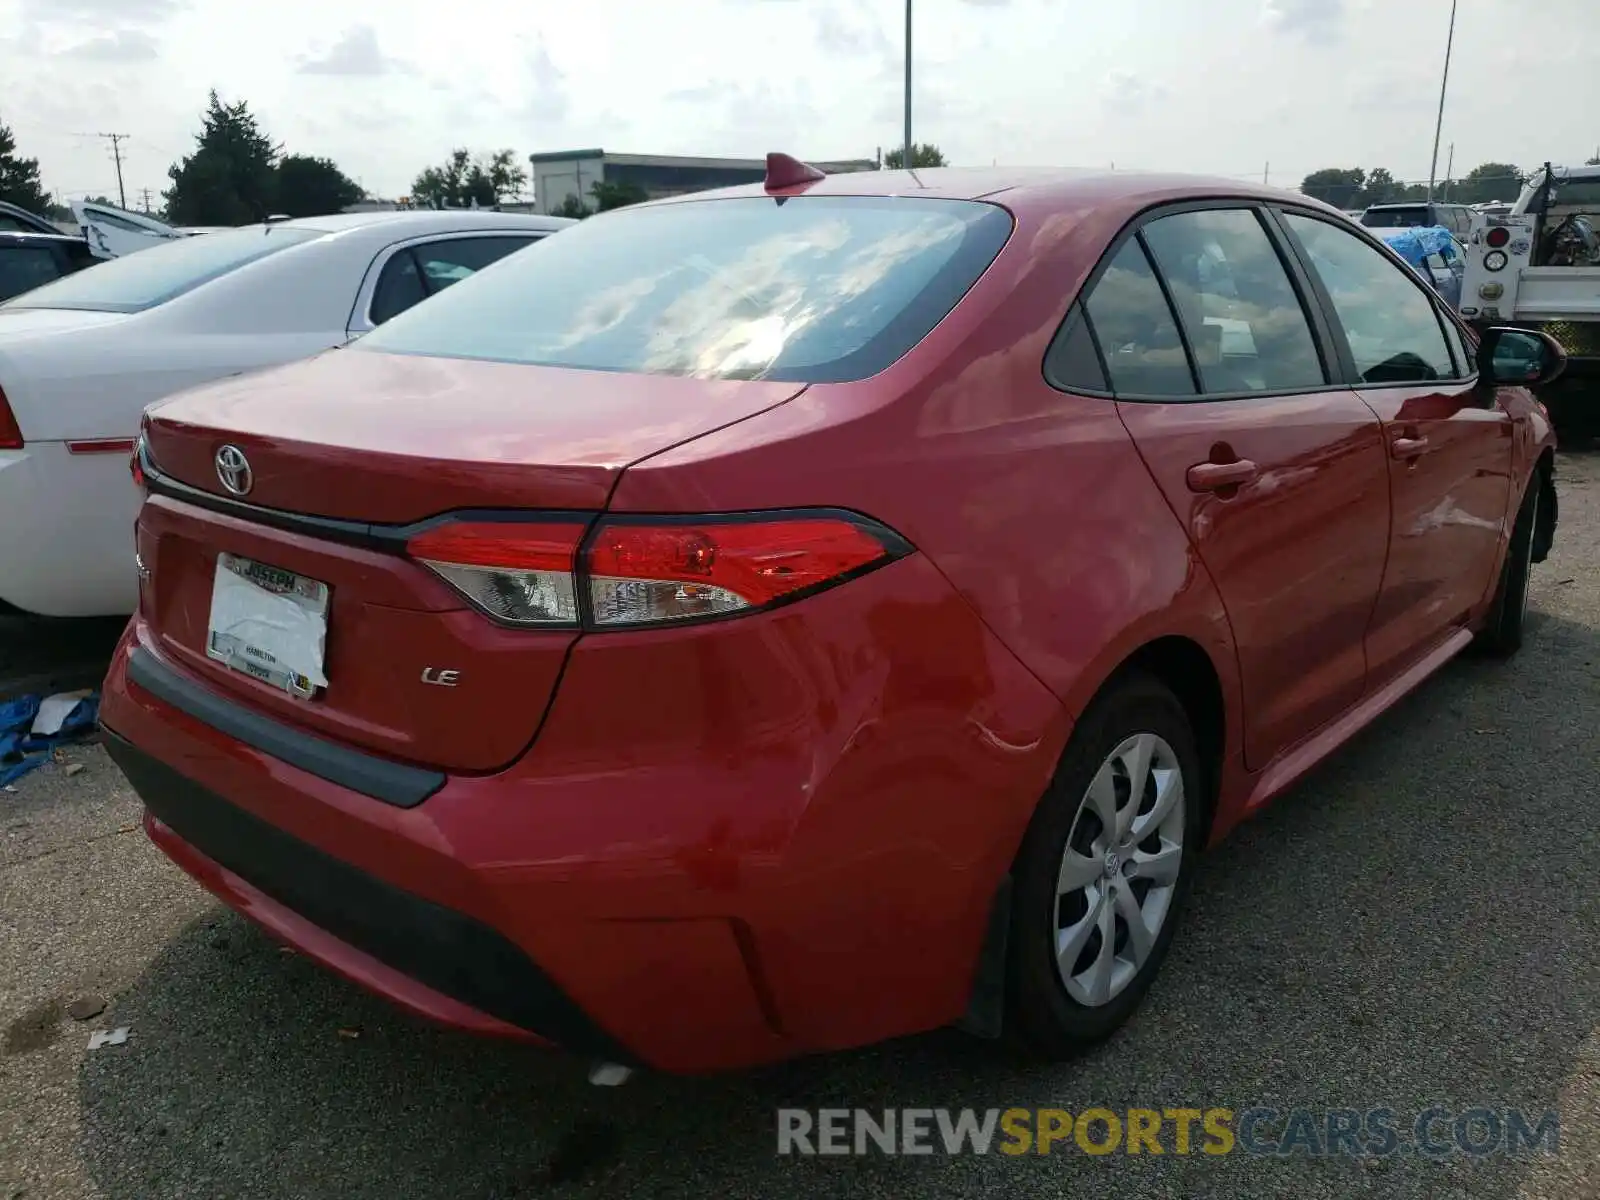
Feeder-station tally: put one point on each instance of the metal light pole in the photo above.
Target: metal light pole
(907, 164)
(1444, 83)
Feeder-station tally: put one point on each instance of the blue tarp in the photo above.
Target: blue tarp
(21, 750)
(1414, 245)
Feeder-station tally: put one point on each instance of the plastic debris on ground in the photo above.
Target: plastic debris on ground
(32, 726)
(114, 1038)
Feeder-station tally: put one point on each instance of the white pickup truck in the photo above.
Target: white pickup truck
(1538, 267)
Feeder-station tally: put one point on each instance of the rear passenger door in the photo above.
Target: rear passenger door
(1449, 442)
(1198, 325)
(408, 274)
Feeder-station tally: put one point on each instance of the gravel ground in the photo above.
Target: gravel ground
(1414, 926)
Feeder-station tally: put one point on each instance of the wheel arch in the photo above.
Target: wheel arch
(1182, 665)
(1544, 478)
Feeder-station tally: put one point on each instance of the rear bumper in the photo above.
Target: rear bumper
(436, 962)
(730, 844)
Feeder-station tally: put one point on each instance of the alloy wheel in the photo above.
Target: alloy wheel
(1119, 869)
(1527, 550)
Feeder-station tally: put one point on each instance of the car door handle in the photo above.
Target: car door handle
(1215, 477)
(1408, 448)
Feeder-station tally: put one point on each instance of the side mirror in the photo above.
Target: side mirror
(1519, 357)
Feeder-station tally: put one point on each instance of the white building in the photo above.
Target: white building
(565, 174)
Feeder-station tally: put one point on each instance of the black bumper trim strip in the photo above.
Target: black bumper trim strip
(448, 951)
(382, 779)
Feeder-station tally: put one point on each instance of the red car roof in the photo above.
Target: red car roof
(1022, 187)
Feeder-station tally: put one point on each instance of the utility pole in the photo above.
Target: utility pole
(1444, 83)
(1449, 170)
(908, 162)
(116, 140)
(1266, 175)
(144, 197)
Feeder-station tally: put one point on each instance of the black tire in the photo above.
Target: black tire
(1042, 1019)
(1502, 632)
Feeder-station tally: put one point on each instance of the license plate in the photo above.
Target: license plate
(270, 624)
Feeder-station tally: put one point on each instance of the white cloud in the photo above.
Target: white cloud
(1129, 95)
(1220, 88)
(124, 46)
(1316, 20)
(356, 53)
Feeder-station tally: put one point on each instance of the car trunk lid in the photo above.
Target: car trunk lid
(363, 436)
(346, 453)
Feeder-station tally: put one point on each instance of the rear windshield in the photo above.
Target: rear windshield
(164, 271)
(806, 289)
(1395, 218)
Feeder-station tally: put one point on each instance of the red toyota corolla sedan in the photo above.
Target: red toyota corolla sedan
(774, 620)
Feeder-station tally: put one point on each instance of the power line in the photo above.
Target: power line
(116, 140)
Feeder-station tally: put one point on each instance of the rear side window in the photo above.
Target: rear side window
(398, 288)
(153, 276)
(417, 272)
(1138, 336)
(452, 260)
(815, 289)
(1392, 326)
(1072, 362)
(23, 268)
(1242, 316)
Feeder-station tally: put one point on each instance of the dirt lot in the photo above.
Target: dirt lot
(1416, 925)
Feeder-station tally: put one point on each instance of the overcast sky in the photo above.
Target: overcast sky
(386, 87)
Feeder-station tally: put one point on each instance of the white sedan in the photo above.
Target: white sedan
(81, 357)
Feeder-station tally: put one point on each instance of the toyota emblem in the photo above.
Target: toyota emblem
(233, 469)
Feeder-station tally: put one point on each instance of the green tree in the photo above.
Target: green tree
(1342, 187)
(507, 177)
(1491, 181)
(462, 180)
(923, 154)
(572, 207)
(314, 187)
(19, 177)
(1381, 187)
(232, 177)
(615, 195)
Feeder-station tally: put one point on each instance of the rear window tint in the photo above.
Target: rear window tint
(1396, 218)
(808, 289)
(162, 272)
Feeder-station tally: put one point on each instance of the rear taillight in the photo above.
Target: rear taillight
(641, 573)
(10, 431)
(520, 573)
(136, 463)
(649, 570)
